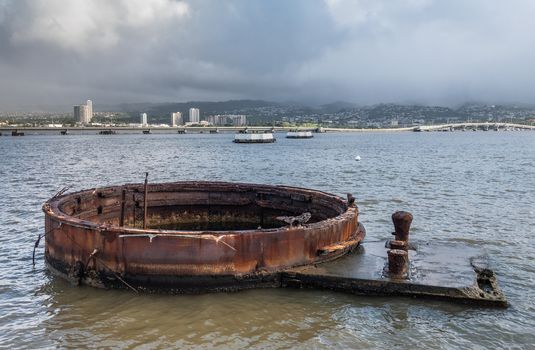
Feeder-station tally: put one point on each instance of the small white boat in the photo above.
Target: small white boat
(357, 158)
(254, 137)
(296, 134)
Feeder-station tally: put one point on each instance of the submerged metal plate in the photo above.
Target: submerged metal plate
(448, 271)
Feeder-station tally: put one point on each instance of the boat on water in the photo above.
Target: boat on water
(146, 132)
(64, 132)
(296, 134)
(107, 132)
(245, 136)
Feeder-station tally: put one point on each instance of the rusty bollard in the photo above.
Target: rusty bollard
(402, 224)
(398, 262)
(395, 244)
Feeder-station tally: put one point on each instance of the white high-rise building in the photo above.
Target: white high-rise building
(89, 104)
(194, 115)
(83, 113)
(176, 119)
(143, 119)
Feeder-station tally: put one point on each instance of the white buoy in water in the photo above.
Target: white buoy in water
(357, 158)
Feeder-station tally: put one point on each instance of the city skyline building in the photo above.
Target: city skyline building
(89, 105)
(194, 115)
(83, 113)
(176, 119)
(77, 114)
(143, 119)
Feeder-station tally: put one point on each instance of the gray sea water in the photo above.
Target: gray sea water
(474, 188)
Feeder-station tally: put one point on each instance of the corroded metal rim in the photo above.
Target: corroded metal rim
(85, 242)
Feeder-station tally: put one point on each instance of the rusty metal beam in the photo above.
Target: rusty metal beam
(145, 200)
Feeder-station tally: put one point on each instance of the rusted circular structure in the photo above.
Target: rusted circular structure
(198, 236)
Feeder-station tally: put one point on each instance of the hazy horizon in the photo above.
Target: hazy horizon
(56, 53)
(116, 107)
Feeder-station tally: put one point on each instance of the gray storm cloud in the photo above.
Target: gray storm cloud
(426, 51)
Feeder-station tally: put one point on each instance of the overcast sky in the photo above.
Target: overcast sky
(60, 52)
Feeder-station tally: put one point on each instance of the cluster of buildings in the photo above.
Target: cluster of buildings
(83, 113)
(228, 119)
(389, 115)
(194, 118)
(176, 118)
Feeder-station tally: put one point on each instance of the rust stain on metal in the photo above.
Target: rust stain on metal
(123, 207)
(398, 262)
(185, 236)
(399, 245)
(402, 224)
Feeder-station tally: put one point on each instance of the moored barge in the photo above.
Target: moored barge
(254, 137)
(297, 134)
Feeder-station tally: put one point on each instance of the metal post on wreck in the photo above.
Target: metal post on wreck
(145, 201)
(398, 256)
(398, 262)
(402, 224)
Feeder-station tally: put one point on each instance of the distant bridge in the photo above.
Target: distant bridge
(474, 127)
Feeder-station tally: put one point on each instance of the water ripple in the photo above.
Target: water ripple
(474, 188)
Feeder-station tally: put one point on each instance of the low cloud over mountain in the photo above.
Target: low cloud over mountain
(364, 51)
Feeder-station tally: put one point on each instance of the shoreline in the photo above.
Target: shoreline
(7, 130)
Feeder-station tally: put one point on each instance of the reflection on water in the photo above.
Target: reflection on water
(476, 188)
(236, 319)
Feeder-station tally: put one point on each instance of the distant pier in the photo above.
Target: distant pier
(112, 130)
